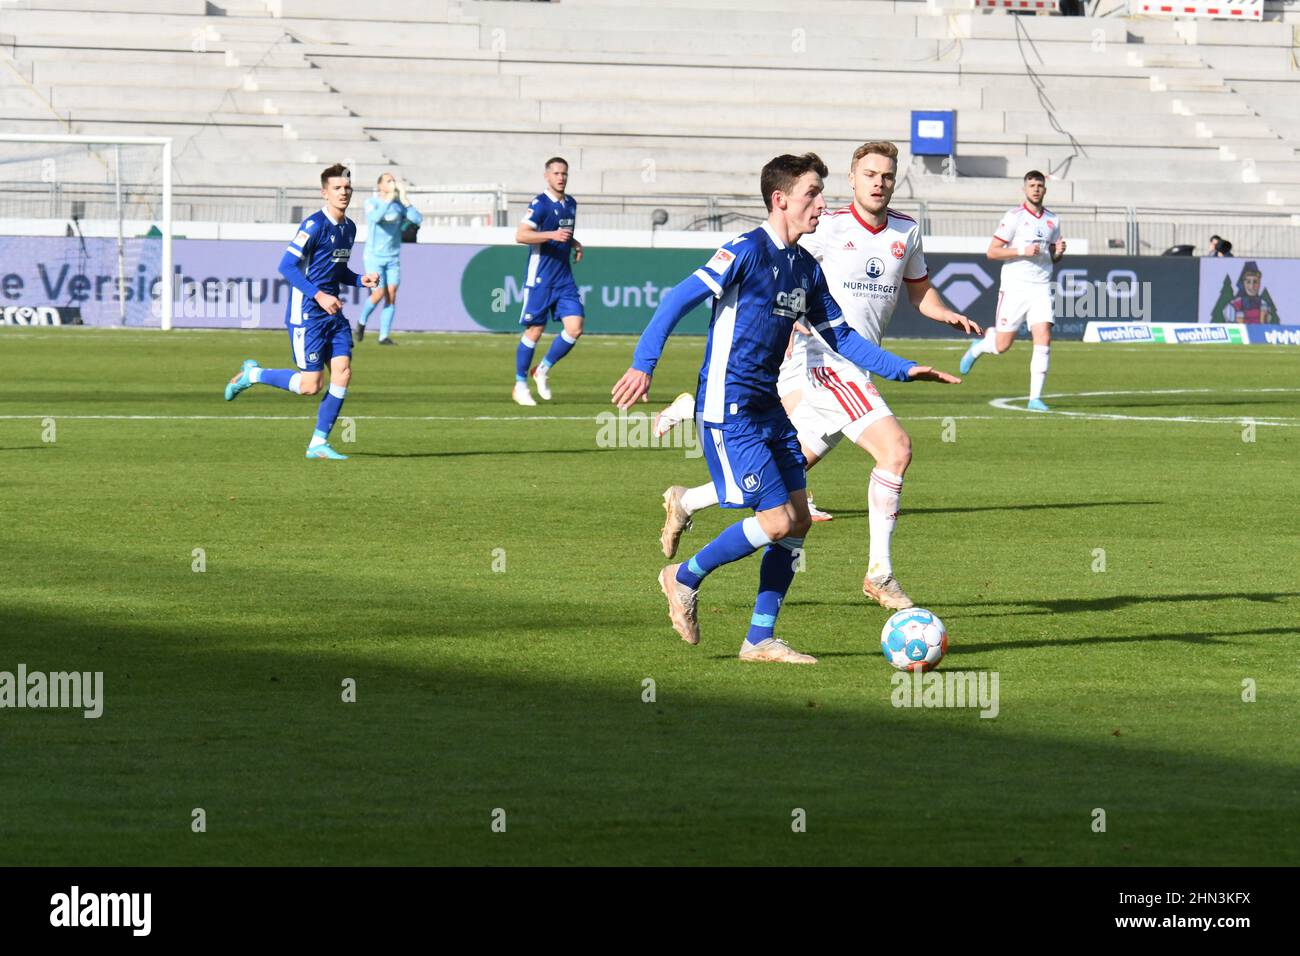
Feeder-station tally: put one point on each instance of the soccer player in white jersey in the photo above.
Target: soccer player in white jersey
(869, 254)
(1028, 243)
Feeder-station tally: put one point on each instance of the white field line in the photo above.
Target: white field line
(1006, 405)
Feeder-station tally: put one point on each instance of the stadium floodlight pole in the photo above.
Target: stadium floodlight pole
(166, 143)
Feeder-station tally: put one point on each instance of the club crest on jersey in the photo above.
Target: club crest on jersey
(750, 482)
(875, 268)
(897, 249)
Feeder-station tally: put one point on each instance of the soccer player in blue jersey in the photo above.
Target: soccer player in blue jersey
(762, 283)
(387, 213)
(549, 289)
(316, 265)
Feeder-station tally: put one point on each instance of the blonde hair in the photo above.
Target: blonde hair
(879, 149)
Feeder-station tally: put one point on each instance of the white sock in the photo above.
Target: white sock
(987, 344)
(883, 492)
(317, 440)
(255, 374)
(705, 496)
(295, 383)
(1038, 370)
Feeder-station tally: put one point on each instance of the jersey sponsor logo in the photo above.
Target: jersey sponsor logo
(340, 255)
(566, 223)
(857, 287)
(721, 261)
(897, 249)
(750, 482)
(791, 305)
(875, 267)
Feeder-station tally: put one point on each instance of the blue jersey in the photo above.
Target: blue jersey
(761, 287)
(548, 262)
(321, 250)
(386, 220)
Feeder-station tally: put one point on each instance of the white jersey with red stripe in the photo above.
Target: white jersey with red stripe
(865, 269)
(1022, 227)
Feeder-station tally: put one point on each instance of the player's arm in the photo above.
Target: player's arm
(528, 234)
(673, 307)
(1000, 251)
(291, 267)
(827, 322)
(925, 299)
(1058, 247)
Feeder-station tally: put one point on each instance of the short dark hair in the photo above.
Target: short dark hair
(782, 172)
(1035, 174)
(556, 159)
(338, 169)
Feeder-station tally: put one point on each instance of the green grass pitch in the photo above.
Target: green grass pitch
(521, 688)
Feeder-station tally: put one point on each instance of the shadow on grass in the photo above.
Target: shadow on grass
(1064, 505)
(1117, 602)
(249, 724)
(491, 453)
(1185, 637)
(25, 448)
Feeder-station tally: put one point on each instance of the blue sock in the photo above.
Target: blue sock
(329, 410)
(559, 348)
(366, 310)
(279, 378)
(740, 540)
(386, 320)
(524, 358)
(774, 577)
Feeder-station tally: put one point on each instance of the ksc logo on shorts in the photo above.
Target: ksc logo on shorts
(313, 356)
(750, 482)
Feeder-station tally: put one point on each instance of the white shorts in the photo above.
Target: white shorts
(834, 405)
(1021, 304)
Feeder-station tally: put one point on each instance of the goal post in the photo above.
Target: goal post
(76, 203)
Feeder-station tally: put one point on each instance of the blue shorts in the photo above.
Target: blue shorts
(554, 302)
(390, 271)
(317, 341)
(754, 463)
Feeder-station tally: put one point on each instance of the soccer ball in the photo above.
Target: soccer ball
(914, 639)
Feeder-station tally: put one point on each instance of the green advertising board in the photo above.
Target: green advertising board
(620, 288)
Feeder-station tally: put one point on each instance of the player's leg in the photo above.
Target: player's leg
(339, 350)
(304, 380)
(814, 443)
(569, 306)
(786, 525)
(376, 296)
(533, 324)
(391, 279)
(1040, 330)
(1000, 334)
(737, 455)
(891, 447)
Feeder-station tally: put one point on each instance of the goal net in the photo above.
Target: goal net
(85, 230)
